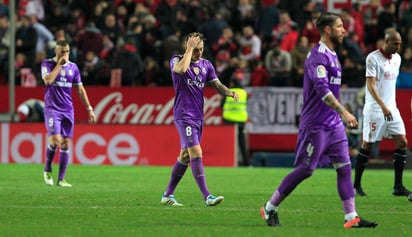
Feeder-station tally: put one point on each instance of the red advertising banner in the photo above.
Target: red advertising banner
(124, 105)
(112, 144)
(273, 112)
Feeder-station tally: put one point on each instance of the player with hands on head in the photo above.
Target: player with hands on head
(60, 76)
(381, 116)
(322, 138)
(190, 74)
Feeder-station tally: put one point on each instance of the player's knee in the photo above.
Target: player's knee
(402, 143)
(184, 157)
(65, 142)
(55, 141)
(306, 171)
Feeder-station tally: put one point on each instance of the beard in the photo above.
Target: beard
(335, 40)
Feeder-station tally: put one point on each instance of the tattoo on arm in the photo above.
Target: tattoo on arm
(221, 89)
(332, 102)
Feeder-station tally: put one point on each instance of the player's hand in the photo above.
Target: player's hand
(387, 114)
(235, 95)
(192, 42)
(92, 117)
(350, 120)
(63, 60)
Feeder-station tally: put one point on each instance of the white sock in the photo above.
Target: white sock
(350, 216)
(271, 207)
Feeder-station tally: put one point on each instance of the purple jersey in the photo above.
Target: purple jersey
(322, 76)
(189, 88)
(58, 95)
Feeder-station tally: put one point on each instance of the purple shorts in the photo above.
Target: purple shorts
(59, 123)
(190, 132)
(322, 147)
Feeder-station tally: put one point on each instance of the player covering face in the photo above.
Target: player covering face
(60, 76)
(190, 74)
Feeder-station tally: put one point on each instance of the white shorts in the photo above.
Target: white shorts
(375, 127)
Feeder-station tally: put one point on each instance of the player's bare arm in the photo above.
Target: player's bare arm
(62, 55)
(85, 100)
(347, 117)
(223, 90)
(182, 66)
(371, 82)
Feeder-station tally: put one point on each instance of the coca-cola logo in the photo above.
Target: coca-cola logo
(111, 109)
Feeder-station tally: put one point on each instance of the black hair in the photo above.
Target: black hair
(326, 19)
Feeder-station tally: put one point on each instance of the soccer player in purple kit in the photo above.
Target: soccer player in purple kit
(190, 74)
(60, 75)
(322, 139)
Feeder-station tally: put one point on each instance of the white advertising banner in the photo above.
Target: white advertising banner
(276, 110)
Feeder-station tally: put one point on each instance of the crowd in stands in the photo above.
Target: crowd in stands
(258, 43)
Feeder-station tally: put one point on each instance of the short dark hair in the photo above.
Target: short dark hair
(326, 19)
(62, 43)
(194, 34)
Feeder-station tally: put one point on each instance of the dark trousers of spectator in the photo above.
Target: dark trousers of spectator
(241, 141)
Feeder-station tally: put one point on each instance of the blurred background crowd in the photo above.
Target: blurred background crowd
(257, 43)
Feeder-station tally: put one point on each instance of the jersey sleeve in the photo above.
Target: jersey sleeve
(211, 72)
(45, 69)
(318, 73)
(370, 67)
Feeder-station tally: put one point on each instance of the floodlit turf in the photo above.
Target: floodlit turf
(125, 201)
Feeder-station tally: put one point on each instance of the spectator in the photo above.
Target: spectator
(31, 110)
(289, 39)
(310, 30)
(91, 68)
(242, 73)
(4, 9)
(89, 39)
(130, 62)
(353, 76)
(226, 47)
(279, 64)
(26, 41)
(298, 56)
(280, 30)
(56, 18)
(111, 28)
(165, 14)
(4, 48)
(386, 18)
(184, 23)
(370, 15)
(260, 75)
(44, 38)
(266, 20)
(235, 112)
(243, 15)
(151, 75)
(406, 65)
(212, 29)
(250, 46)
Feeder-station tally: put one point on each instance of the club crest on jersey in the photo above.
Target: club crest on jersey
(175, 60)
(62, 73)
(320, 71)
(196, 70)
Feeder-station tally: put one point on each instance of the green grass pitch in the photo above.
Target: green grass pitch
(125, 201)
